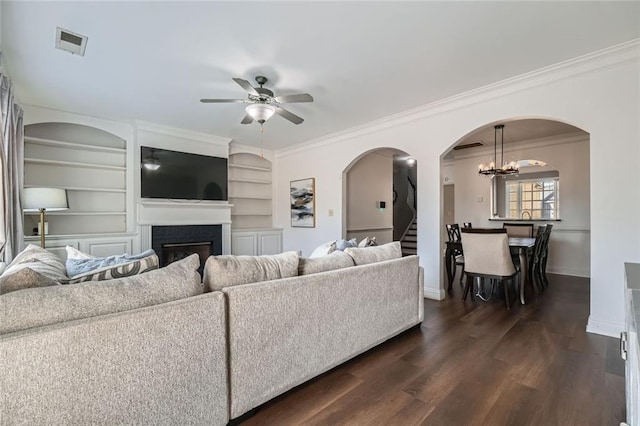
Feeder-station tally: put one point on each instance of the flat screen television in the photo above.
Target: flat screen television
(182, 175)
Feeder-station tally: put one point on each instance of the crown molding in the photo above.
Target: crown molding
(161, 129)
(614, 55)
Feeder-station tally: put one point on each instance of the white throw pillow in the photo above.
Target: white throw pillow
(73, 253)
(324, 249)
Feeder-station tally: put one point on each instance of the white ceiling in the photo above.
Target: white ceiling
(361, 61)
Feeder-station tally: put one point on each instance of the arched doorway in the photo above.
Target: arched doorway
(485, 203)
(379, 198)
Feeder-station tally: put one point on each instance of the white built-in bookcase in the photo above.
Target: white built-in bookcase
(250, 191)
(90, 164)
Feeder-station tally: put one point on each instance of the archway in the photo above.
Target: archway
(379, 198)
(481, 200)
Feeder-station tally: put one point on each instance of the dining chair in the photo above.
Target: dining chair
(487, 255)
(519, 229)
(545, 254)
(535, 261)
(453, 233)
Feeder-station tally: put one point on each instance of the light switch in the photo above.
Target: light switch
(330, 212)
(479, 198)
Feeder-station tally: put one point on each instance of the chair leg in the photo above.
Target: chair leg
(462, 274)
(544, 272)
(467, 287)
(505, 284)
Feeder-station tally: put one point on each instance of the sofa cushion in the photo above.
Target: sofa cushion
(24, 278)
(324, 249)
(224, 271)
(107, 268)
(38, 260)
(363, 256)
(336, 260)
(35, 307)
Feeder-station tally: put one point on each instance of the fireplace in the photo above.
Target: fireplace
(173, 243)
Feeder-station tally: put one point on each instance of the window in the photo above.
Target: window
(532, 198)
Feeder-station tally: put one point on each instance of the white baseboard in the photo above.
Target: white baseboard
(430, 293)
(573, 272)
(605, 328)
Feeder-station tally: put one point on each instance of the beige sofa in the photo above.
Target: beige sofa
(206, 358)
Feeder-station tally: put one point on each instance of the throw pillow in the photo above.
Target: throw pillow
(39, 260)
(24, 278)
(224, 271)
(367, 242)
(336, 260)
(106, 268)
(34, 307)
(324, 249)
(363, 256)
(73, 253)
(343, 244)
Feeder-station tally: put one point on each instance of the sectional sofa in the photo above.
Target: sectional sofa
(165, 348)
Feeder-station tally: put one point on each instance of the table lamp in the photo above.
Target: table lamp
(42, 199)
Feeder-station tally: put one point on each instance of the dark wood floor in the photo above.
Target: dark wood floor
(473, 363)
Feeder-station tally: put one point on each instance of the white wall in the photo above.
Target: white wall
(598, 93)
(368, 181)
(569, 248)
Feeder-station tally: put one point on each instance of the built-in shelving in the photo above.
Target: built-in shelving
(250, 191)
(90, 164)
(73, 145)
(74, 164)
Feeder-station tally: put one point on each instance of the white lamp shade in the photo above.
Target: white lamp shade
(260, 112)
(50, 199)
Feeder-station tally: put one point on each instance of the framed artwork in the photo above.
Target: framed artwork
(303, 203)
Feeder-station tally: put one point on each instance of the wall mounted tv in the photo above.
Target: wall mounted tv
(181, 175)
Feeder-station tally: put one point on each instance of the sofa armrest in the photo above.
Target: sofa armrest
(162, 364)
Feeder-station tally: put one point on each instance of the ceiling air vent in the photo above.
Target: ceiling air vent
(467, 146)
(70, 41)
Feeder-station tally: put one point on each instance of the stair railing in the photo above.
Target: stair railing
(413, 205)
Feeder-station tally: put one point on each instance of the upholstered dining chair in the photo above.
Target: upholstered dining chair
(487, 255)
(519, 229)
(453, 233)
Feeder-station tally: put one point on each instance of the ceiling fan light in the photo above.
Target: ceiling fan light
(260, 112)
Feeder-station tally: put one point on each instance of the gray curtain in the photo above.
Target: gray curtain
(12, 168)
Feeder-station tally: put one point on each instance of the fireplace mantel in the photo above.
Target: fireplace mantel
(168, 212)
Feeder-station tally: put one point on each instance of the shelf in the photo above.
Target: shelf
(244, 197)
(73, 145)
(81, 188)
(241, 166)
(252, 214)
(76, 213)
(259, 181)
(74, 164)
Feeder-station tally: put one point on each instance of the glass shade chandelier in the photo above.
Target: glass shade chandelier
(490, 169)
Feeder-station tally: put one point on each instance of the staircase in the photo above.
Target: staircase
(409, 241)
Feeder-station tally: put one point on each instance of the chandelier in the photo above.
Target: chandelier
(507, 168)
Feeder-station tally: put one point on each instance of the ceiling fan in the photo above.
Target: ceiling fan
(263, 102)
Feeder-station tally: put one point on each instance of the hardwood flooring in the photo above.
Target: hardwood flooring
(473, 363)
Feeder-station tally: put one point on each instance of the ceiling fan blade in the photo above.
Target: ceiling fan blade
(247, 86)
(302, 97)
(288, 115)
(221, 101)
(247, 119)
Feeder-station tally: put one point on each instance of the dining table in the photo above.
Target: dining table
(520, 246)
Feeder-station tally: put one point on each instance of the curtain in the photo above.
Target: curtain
(12, 172)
